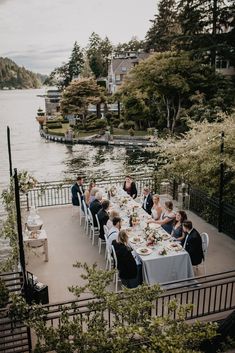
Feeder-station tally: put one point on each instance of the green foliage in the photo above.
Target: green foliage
(132, 327)
(133, 45)
(8, 227)
(63, 75)
(4, 294)
(97, 124)
(158, 92)
(164, 27)
(98, 53)
(54, 125)
(13, 76)
(78, 95)
(196, 157)
(131, 132)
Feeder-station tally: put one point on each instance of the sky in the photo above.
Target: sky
(39, 34)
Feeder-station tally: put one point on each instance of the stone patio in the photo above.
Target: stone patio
(68, 244)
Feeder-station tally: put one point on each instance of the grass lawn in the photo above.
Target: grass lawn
(65, 127)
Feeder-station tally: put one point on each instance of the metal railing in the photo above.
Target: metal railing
(59, 193)
(15, 336)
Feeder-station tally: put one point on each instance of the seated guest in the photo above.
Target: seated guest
(94, 190)
(95, 206)
(167, 218)
(177, 231)
(112, 214)
(87, 194)
(130, 187)
(103, 216)
(114, 230)
(126, 264)
(193, 243)
(148, 200)
(77, 188)
(157, 207)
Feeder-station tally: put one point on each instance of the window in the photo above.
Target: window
(123, 69)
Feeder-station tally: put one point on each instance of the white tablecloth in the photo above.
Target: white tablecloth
(176, 265)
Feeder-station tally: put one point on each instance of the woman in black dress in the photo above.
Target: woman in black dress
(126, 264)
(130, 187)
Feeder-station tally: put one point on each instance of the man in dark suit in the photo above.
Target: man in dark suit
(95, 206)
(148, 200)
(77, 188)
(103, 216)
(193, 243)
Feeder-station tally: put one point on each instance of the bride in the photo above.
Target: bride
(157, 208)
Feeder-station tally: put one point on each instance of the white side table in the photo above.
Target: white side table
(41, 238)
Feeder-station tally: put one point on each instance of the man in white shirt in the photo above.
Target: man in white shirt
(114, 230)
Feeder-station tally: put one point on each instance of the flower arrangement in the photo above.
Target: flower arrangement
(112, 190)
(26, 181)
(152, 235)
(163, 252)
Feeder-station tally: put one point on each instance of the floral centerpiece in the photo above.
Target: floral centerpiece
(112, 190)
(152, 236)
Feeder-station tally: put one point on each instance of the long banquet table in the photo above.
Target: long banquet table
(157, 268)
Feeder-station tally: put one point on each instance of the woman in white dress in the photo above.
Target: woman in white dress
(157, 208)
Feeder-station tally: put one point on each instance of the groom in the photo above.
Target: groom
(148, 200)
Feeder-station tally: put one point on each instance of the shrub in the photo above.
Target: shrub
(129, 124)
(50, 132)
(131, 132)
(97, 124)
(55, 126)
(121, 126)
(4, 294)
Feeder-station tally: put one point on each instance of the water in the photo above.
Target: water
(49, 161)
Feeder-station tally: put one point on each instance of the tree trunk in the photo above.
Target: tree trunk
(176, 116)
(168, 123)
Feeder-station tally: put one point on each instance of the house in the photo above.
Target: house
(120, 65)
(52, 101)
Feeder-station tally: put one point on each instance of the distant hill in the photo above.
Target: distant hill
(14, 76)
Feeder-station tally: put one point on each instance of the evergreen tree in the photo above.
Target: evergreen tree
(98, 53)
(206, 27)
(164, 27)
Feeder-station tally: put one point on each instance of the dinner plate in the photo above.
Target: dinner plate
(144, 251)
(136, 240)
(154, 225)
(166, 236)
(176, 247)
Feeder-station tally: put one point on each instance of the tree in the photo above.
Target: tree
(64, 74)
(98, 53)
(164, 27)
(206, 26)
(168, 80)
(134, 45)
(196, 157)
(132, 328)
(78, 95)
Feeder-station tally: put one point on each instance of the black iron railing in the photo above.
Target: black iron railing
(14, 336)
(210, 295)
(59, 193)
(208, 208)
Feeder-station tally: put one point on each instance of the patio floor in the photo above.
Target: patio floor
(68, 244)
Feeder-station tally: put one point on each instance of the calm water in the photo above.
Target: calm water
(49, 161)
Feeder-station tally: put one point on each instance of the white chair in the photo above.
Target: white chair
(93, 230)
(106, 232)
(205, 245)
(86, 223)
(81, 213)
(116, 274)
(100, 241)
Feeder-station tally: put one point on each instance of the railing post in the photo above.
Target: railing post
(221, 187)
(20, 234)
(9, 150)
(174, 189)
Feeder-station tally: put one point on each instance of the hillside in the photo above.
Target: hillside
(14, 76)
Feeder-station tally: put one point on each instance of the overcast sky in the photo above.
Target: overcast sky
(39, 34)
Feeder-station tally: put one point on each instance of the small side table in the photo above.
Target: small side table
(41, 238)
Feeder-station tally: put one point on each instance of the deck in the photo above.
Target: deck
(68, 244)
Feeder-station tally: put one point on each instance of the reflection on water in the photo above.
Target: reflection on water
(48, 160)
